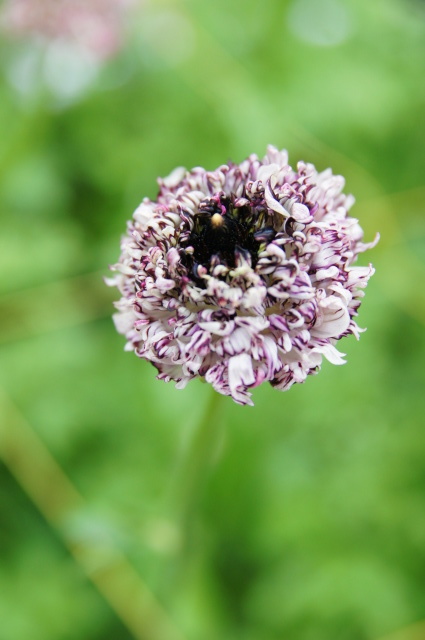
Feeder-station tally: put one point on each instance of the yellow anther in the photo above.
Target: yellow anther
(217, 220)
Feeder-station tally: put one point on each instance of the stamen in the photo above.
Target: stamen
(217, 220)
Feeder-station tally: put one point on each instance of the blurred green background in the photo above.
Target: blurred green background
(311, 524)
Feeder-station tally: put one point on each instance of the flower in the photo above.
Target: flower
(241, 275)
(93, 25)
(62, 45)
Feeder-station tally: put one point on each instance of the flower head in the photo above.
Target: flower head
(241, 275)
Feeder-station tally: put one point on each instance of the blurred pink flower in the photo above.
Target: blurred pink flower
(94, 25)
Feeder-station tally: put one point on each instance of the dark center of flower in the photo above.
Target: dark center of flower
(222, 233)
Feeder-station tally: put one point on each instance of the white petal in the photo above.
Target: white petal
(323, 274)
(218, 328)
(173, 179)
(333, 355)
(238, 341)
(300, 212)
(274, 155)
(240, 372)
(333, 318)
(273, 203)
(144, 214)
(265, 172)
(124, 322)
(253, 297)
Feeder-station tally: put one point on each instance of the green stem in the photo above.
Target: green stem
(197, 464)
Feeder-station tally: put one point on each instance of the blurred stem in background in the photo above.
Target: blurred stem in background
(414, 631)
(41, 477)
